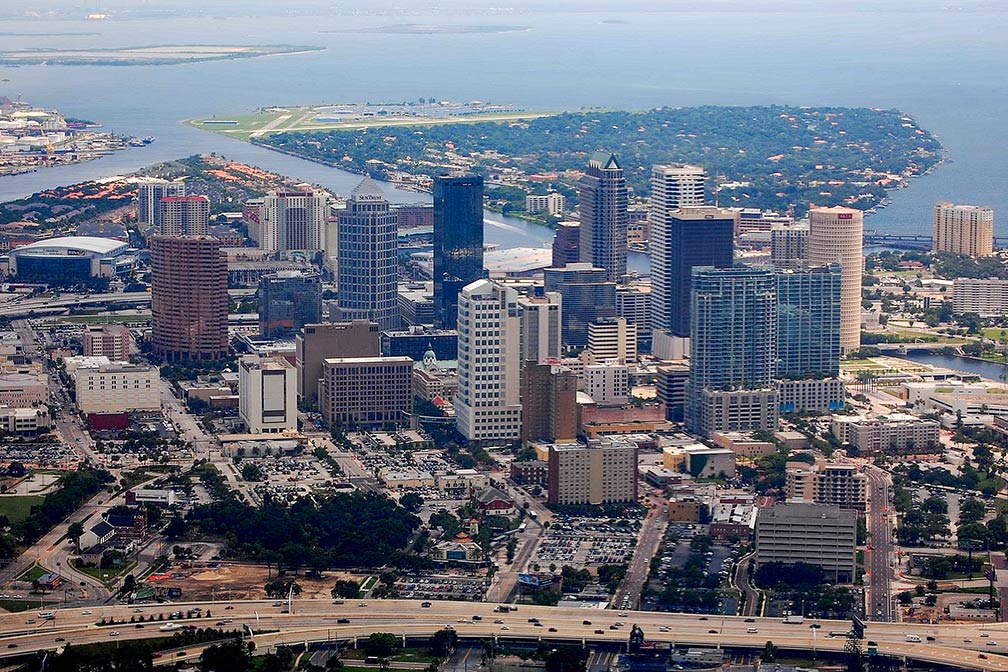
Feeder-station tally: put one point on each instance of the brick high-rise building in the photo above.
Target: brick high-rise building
(189, 300)
(549, 403)
(566, 244)
(107, 340)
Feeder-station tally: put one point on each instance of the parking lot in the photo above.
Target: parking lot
(39, 455)
(288, 477)
(696, 571)
(586, 542)
(444, 587)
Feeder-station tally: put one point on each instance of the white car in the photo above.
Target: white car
(114, 633)
(86, 612)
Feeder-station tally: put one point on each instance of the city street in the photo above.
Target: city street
(651, 533)
(879, 554)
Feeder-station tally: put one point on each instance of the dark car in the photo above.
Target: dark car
(614, 627)
(930, 638)
(585, 622)
(712, 632)
(12, 646)
(342, 620)
(139, 625)
(704, 618)
(750, 620)
(426, 605)
(600, 632)
(552, 630)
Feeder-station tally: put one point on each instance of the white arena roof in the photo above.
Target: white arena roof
(89, 244)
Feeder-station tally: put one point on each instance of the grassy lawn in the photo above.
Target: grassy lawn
(105, 574)
(860, 365)
(32, 573)
(349, 668)
(15, 606)
(994, 333)
(17, 508)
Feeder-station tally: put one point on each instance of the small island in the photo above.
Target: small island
(148, 55)
(779, 158)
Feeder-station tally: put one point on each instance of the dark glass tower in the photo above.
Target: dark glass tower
(688, 238)
(458, 242)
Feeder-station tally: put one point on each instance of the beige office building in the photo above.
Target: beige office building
(963, 229)
(836, 235)
(819, 535)
(603, 471)
(316, 342)
(118, 387)
(825, 482)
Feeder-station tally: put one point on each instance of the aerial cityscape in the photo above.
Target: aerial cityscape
(549, 337)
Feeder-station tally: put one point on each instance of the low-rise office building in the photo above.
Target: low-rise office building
(366, 391)
(820, 535)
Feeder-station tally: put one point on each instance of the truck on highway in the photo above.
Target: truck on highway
(796, 620)
(913, 638)
(47, 615)
(168, 627)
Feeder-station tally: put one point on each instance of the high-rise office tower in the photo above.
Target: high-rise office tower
(292, 220)
(458, 242)
(963, 229)
(836, 235)
(149, 195)
(808, 322)
(602, 207)
(566, 244)
(367, 268)
(488, 400)
(541, 320)
(184, 215)
(789, 245)
(587, 294)
(189, 300)
(732, 352)
(680, 241)
(288, 300)
(675, 186)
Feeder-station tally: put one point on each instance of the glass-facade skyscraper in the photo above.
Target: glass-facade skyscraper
(458, 242)
(680, 241)
(732, 351)
(808, 322)
(587, 296)
(288, 300)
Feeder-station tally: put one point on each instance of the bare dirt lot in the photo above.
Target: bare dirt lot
(240, 581)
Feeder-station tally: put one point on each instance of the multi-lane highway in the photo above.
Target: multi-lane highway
(959, 646)
(879, 554)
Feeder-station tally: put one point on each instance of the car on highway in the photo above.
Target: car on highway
(60, 639)
(114, 633)
(752, 631)
(614, 627)
(552, 630)
(664, 628)
(425, 605)
(12, 646)
(585, 622)
(712, 632)
(498, 621)
(504, 627)
(985, 634)
(750, 620)
(992, 643)
(600, 632)
(968, 640)
(86, 612)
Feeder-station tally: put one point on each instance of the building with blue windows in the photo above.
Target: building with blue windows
(458, 242)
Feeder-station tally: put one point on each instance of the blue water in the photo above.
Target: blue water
(988, 370)
(943, 66)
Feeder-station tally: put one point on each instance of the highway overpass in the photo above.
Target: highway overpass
(971, 646)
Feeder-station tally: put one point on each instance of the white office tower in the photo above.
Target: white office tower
(267, 394)
(488, 401)
(836, 235)
(293, 220)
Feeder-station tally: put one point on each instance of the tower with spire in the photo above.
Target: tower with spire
(366, 258)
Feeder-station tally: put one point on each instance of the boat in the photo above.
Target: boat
(148, 139)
